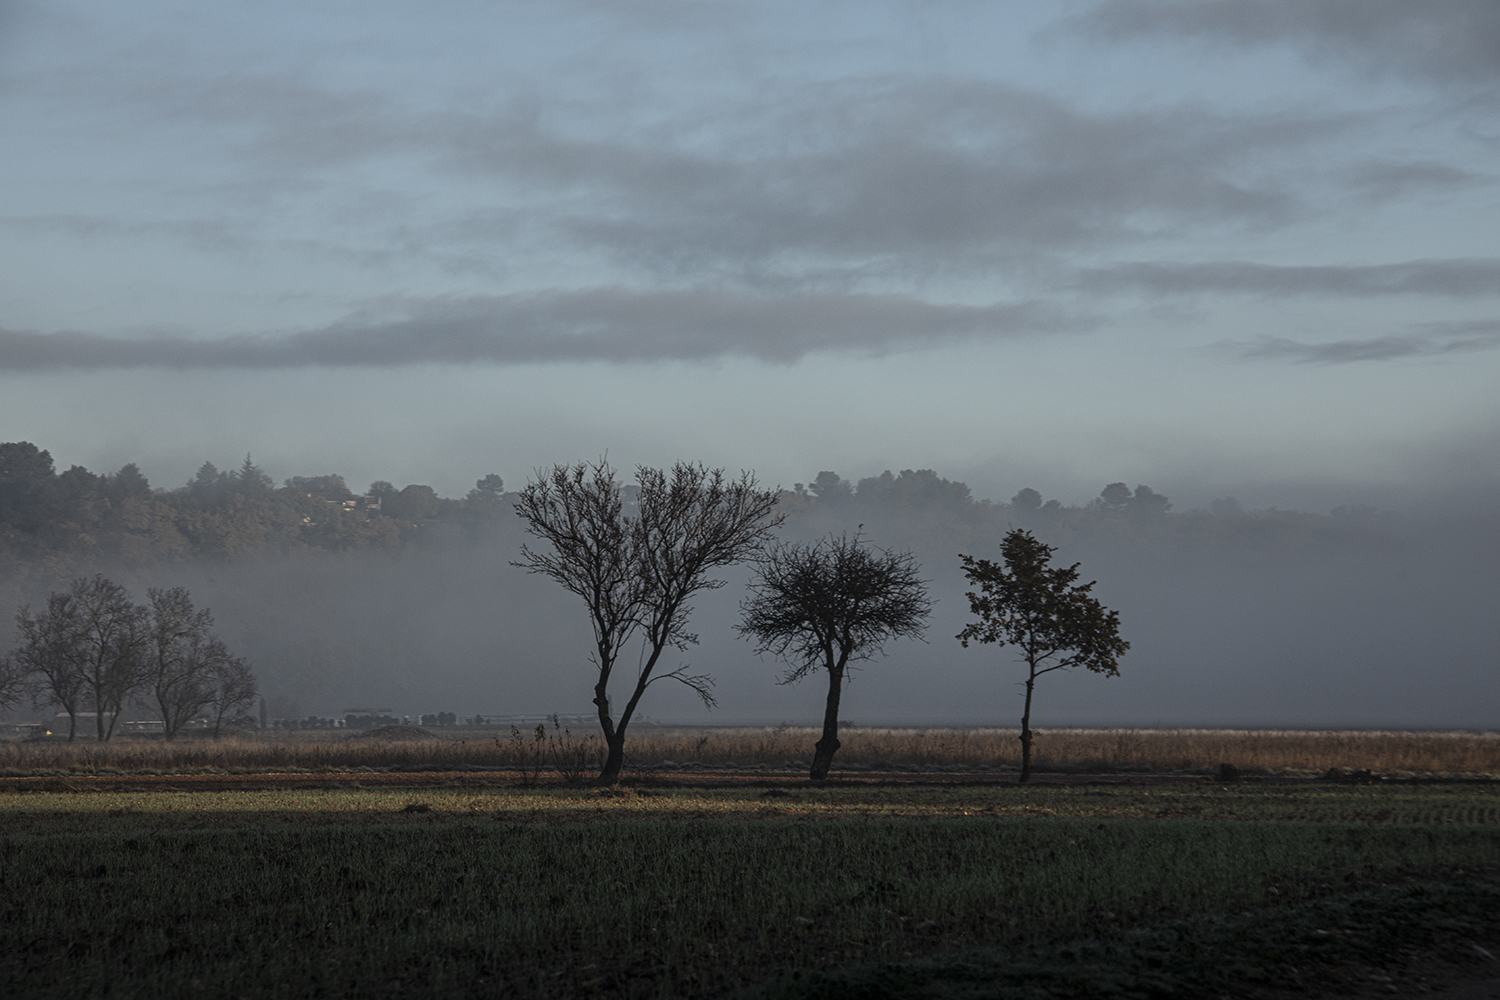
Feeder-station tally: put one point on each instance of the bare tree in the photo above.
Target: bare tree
(231, 684)
(1053, 621)
(827, 605)
(46, 656)
(13, 682)
(578, 510)
(637, 574)
(109, 639)
(93, 646)
(177, 671)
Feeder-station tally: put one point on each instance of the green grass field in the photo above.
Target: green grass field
(667, 891)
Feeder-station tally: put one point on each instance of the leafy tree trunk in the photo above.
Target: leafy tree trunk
(1026, 729)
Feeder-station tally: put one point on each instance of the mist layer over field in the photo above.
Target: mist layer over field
(1235, 618)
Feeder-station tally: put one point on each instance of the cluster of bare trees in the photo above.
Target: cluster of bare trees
(93, 650)
(637, 556)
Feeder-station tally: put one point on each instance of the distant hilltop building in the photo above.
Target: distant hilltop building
(343, 501)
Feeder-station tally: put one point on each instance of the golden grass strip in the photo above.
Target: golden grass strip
(785, 747)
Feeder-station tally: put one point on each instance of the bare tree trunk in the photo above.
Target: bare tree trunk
(826, 747)
(72, 725)
(614, 740)
(1026, 729)
(614, 734)
(615, 759)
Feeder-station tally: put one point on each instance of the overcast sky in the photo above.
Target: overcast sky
(1244, 247)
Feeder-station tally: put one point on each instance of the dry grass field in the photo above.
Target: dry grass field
(782, 748)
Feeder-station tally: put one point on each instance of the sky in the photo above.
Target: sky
(1222, 247)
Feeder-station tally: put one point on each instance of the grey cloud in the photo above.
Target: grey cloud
(208, 234)
(1446, 41)
(1462, 277)
(1393, 178)
(605, 324)
(866, 173)
(921, 178)
(1444, 339)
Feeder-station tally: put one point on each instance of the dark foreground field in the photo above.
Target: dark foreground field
(1301, 888)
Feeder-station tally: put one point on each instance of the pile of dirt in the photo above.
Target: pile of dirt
(398, 734)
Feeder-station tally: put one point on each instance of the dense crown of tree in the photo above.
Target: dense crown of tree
(638, 571)
(827, 605)
(1052, 620)
(92, 649)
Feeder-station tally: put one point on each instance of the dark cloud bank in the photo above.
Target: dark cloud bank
(1443, 340)
(1457, 278)
(609, 324)
(1438, 41)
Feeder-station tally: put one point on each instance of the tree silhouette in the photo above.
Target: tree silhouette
(638, 573)
(177, 671)
(1041, 610)
(45, 654)
(826, 605)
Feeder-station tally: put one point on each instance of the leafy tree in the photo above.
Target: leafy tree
(490, 487)
(638, 573)
(1144, 504)
(251, 479)
(914, 489)
(1051, 619)
(1115, 497)
(126, 484)
(487, 498)
(827, 605)
(831, 490)
(414, 503)
(330, 485)
(209, 487)
(27, 485)
(1226, 507)
(1027, 500)
(1147, 505)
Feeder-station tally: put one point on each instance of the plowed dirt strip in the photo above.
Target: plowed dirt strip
(488, 779)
